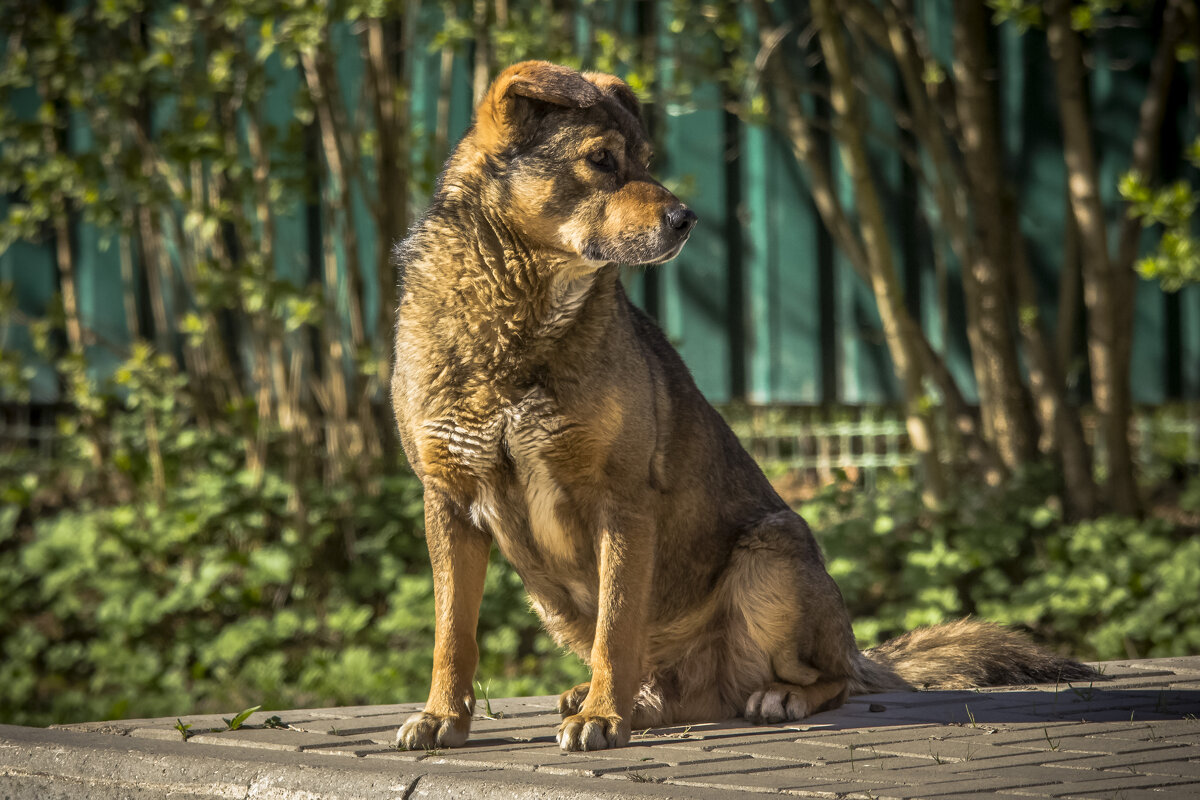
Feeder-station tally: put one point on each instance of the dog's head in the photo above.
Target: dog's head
(570, 158)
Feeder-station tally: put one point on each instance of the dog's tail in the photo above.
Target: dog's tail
(960, 655)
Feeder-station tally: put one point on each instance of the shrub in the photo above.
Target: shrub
(168, 577)
(1107, 588)
(218, 586)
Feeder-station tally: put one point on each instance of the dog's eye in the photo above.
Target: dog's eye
(603, 160)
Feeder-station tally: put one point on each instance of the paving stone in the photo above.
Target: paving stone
(1179, 664)
(342, 712)
(271, 739)
(1116, 669)
(392, 753)
(842, 790)
(1029, 773)
(731, 739)
(1118, 715)
(162, 734)
(1028, 758)
(1115, 787)
(965, 748)
(1096, 745)
(837, 757)
(1137, 679)
(1153, 793)
(548, 754)
(353, 750)
(907, 733)
(946, 786)
(381, 729)
(1148, 731)
(1155, 762)
(564, 764)
(750, 775)
(650, 752)
(908, 699)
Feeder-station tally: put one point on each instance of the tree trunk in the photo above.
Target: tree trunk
(481, 72)
(1103, 288)
(1004, 402)
(343, 164)
(898, 327)
(1060, 421)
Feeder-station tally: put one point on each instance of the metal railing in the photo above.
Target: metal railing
(820, 442)
(817, 442)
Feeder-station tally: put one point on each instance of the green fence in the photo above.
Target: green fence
(760, 304)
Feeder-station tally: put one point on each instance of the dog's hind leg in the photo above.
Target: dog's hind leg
(793, 624)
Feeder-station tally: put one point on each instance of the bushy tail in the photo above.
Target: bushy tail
(961, 655)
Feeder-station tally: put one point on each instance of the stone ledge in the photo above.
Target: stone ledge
(1136, 733)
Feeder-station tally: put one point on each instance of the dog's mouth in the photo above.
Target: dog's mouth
(670, 254)
(638, 253)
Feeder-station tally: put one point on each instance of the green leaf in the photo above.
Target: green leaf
(236, 722)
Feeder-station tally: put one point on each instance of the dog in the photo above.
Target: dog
(544, 412)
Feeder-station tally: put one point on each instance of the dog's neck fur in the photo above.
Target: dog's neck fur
(535, 298)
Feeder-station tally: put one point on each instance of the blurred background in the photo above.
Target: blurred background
(944, 288)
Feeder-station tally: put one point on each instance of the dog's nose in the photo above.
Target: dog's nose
(680, 218)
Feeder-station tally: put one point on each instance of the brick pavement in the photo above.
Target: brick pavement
(1135, 734)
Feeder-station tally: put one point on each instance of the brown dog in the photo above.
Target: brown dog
(543, 411)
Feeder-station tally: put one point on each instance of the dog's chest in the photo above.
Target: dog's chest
(505, 463)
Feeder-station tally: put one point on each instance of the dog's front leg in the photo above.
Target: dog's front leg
(458, 552)
(626, 567)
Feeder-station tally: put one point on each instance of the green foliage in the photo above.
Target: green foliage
(243, 715)
(183, 728)
(1026, 14)
(1175, 262)
(128, 591)
(1022, 13)
(1106, 588)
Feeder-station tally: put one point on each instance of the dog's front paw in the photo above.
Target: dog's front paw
(570, 701)
(425, 731)
(592, 732)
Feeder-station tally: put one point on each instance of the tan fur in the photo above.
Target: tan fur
(543, 412)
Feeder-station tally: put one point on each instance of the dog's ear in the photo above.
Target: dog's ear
(617, 89)
(502, 113)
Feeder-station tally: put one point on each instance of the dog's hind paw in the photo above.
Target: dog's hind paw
(779, 702)
(586, 732)
(570, 701)
(425, 731)
(787, 702)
